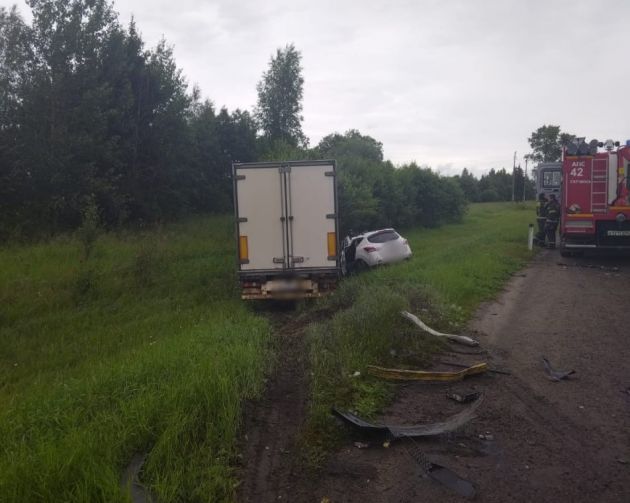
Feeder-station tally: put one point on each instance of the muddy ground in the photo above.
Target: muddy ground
(542, 440)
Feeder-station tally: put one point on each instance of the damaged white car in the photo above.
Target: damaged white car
(369, 249)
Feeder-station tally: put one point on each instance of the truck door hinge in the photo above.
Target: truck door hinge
(329, 173)
(241, 220)
(278, 260)
(297, 260)
(240, 177)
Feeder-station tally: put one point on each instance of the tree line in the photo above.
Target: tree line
(497, 185)
(94, 126)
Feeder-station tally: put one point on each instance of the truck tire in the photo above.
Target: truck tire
(360, 266)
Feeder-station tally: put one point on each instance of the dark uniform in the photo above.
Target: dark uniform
(551, 223)
(541, 218)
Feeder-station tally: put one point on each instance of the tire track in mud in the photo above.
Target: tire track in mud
(272, 424)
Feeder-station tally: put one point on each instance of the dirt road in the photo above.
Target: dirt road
(543, 440)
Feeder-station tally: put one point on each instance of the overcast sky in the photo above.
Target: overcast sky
(447, 83)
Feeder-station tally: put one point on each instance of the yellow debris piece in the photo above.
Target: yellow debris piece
(423, 375)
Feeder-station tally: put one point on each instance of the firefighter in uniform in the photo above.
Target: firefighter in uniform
(551, 223)
(541, 218)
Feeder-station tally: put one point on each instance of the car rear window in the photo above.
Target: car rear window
(383, 237)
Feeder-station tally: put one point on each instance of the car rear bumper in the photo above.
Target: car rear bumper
(376, 258)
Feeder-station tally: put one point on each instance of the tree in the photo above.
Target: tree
(280, 98)
(351, 144)
(469, 184)
(547, 142)
(496, 186)
(15, 54)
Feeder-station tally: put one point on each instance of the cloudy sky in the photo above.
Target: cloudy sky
(447, 83)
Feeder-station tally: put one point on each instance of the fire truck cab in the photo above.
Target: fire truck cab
(549, 179)
(595, 197)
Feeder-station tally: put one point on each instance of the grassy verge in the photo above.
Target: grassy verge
(144, 347)
(452, 271)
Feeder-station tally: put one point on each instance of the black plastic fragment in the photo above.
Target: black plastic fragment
(556, 375)
(453, 423)
(359, 424)
(451, 480)
(441, 474)
(463, 397)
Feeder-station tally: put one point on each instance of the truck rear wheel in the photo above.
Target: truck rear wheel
(361, 266)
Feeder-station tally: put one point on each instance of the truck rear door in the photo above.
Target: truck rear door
(286, 216)
(260, 213)
(312, 216)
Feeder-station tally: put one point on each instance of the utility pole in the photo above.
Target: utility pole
(514, 178)
(525, 179)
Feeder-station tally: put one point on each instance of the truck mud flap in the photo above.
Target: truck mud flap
(423, 375)
(460, 339)
(401, 431)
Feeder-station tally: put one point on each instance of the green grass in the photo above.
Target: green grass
(453, 270)
(144, 347)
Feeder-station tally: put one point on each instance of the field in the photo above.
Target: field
(144, 348)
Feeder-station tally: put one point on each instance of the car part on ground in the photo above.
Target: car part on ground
(461, 339)
(424, 375)
(556, 375)
(370, 249)
(440, 473)
(463, 365)
(395, 432)
(463, 397)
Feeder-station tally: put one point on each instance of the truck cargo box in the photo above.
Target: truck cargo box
(286, 228)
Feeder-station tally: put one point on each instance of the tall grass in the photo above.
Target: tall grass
(144, 347)
(453, 269)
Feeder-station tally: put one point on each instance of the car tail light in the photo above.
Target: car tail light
(370, 249)
(243, 249)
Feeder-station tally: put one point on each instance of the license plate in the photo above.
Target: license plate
(618, 233)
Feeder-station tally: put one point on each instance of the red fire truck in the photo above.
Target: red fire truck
(595, 197)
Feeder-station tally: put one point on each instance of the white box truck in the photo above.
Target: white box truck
(286, 228)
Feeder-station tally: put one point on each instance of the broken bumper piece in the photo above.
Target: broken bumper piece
(413, 431)
(423, 375)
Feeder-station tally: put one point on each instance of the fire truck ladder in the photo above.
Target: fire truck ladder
(599, 186)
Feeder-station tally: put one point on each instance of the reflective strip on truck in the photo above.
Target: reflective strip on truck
(243, 250)
(332, 246)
